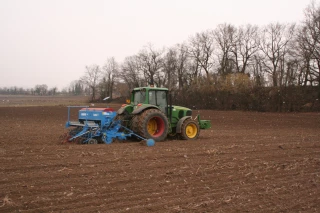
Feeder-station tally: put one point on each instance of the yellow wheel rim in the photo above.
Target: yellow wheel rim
(152, 126)
(191, 130)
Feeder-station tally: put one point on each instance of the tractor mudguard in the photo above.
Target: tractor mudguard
(180, 122)
(142, 108)
(122, 110)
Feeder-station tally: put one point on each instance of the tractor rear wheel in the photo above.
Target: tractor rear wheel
(190, 130)
(151, 124)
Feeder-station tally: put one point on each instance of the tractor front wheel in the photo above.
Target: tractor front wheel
(190, 130)
(151, 124)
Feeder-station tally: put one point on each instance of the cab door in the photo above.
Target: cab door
(159, 99)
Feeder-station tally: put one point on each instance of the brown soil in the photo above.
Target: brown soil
(35, 100)
(247, 162)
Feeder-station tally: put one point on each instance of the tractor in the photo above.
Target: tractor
(149, 114)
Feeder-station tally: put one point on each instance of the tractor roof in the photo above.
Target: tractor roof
(149, 88)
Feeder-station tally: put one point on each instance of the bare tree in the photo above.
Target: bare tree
(182, 59)
(225, 36)
(110, 72)
(53, 91)
(91, 79)
(274, 46)
(41, 89)
(309, 42)
(76, 87)
(170, 66)
(150, 63)
(258, 76)
(304, 55)
(246, 44)
(291, 75)
(130, 72)
(201, 49)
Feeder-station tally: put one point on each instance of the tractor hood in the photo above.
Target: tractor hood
(179, 111)
(181, 108)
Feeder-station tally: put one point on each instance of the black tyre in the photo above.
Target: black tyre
(92, 141)
(190, 130)
(151, 124)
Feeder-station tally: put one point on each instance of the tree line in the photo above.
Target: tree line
(227, 64)
(226, 61)
(39, 89)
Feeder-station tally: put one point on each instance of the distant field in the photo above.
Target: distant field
(31, 100)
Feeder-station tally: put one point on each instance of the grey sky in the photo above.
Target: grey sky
(51, 41)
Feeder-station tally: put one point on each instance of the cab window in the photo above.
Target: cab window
(161, 98)
(152, 98)
(158, 98)
(139, 97)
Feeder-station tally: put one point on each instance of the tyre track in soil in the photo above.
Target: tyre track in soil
(247, 162)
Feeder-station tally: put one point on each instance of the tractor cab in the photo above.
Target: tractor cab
(152, 96)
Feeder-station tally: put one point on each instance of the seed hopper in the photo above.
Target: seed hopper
(98, 125)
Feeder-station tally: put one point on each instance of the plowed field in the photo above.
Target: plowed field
(247, 162)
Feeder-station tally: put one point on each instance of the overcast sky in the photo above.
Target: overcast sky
(51, 41)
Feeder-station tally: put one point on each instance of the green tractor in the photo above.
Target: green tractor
(149, 115)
